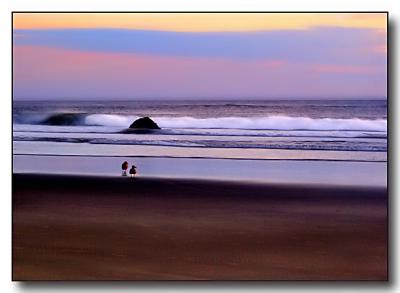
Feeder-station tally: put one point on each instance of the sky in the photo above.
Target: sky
(199, 56)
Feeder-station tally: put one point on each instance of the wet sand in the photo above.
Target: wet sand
(105, 228)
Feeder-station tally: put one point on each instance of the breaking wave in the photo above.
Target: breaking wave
(275, 123)
(251, 123)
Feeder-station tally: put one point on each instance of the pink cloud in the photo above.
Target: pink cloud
(356, 69)
(380, 49)
(49, 72)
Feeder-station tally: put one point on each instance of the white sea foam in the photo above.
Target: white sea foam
(272, 122)
(110, 120)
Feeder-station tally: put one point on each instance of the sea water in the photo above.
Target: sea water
(310, 130)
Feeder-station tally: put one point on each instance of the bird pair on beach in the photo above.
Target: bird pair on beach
(132, 171)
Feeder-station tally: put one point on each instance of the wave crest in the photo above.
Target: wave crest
(246, 123)
(254, 123)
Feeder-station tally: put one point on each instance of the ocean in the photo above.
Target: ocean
(284, 130)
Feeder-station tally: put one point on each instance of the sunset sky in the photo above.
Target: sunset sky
(199, 55)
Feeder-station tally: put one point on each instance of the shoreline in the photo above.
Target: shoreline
(101, 228)
(189, 180)
(336, 173)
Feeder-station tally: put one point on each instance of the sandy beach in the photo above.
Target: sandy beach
(110, 228)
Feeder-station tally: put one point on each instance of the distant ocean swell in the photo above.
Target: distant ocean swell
(251, 123)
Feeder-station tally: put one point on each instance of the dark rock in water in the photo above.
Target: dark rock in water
(144, 123)
(139, 131)
(64, 119)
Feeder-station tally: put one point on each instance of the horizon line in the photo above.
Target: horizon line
(201, 99)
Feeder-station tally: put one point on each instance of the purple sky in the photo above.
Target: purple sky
(319, 62)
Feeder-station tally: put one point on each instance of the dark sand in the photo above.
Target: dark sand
(91, 228)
